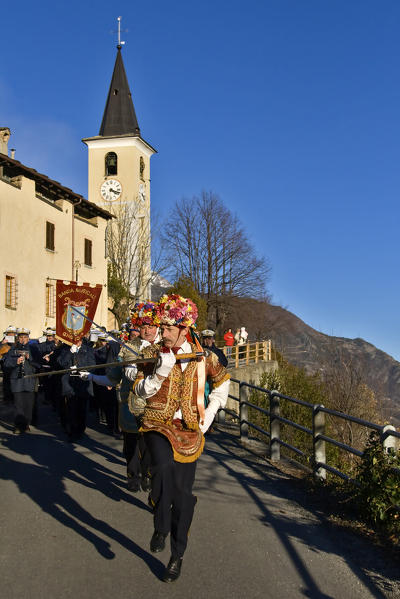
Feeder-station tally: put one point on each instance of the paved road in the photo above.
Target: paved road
(71, 530)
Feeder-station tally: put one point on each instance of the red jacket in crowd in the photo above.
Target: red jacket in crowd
(229, 338)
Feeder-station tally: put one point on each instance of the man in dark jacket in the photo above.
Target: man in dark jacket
(76, 390)
(20, 361)
(45, 350)
(208, 342)
(106, 352)
(5, 346)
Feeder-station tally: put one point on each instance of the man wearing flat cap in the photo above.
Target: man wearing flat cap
(20, 361)
(208, 338)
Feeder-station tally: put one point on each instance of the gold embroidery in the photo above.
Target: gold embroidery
(179, 391)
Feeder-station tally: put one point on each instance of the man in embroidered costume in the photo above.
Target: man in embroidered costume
(145, 318)
(174, 422)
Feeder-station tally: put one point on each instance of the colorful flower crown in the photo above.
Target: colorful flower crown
(145, 313)
(177, 310)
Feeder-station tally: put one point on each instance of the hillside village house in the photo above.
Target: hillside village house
(47, 232)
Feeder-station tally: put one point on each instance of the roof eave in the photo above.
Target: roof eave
(66, 193)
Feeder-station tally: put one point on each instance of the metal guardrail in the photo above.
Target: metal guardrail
(248, 353)
(388, 433)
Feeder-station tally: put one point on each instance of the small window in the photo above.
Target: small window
(11, 292)
(50, 300)
(50, 236)
(88, 252)
(141, 168)
(111, 164)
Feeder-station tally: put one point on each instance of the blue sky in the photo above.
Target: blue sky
(289, 110)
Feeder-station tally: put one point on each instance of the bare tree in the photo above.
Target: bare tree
(347, 392)
(205, 242)
(128, 251)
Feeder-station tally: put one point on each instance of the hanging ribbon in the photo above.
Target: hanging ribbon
(201, 381)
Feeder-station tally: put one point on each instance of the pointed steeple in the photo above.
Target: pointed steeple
(119, 115)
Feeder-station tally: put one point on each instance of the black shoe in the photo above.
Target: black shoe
(173, 570)
(133, 484)
(157, 542)
(146, 483)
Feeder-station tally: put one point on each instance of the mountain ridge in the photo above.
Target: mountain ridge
(310, 349)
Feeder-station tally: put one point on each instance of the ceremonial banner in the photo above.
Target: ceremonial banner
(73, 302)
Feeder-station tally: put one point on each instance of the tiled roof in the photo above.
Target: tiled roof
(59, 190)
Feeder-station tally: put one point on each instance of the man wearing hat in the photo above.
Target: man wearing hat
(106, 350)
(20, 361)
(208, 338)
(8, 339)
(45, 350)
(144, 318)
(76, 391)
(5, 346)
(174, 422)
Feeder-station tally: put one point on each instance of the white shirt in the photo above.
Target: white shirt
(104, 381)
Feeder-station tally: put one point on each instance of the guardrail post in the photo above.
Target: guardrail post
(274, 426)
(257, 350)
(389, 442)
(319, 453)
(243, 411)
(237, 356)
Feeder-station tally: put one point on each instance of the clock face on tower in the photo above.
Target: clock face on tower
(111, 190)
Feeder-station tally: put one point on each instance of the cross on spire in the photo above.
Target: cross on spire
(120, 44)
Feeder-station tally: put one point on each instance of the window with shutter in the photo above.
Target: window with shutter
(50, 228)
(50, 300)
(88, 252)
(11, 292)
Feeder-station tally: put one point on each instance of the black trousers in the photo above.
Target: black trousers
(49, 389)
(75, 415)
(171, 492)
(24, 402)
(7, 393)
(136, 454)
(109, 405)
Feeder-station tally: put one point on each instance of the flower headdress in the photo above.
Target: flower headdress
(145, 313)
(175, 310)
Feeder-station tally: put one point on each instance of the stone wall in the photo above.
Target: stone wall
(249, 374)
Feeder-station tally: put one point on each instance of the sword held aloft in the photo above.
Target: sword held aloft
(179, 358)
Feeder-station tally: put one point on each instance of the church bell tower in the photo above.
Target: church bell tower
(119, 169)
